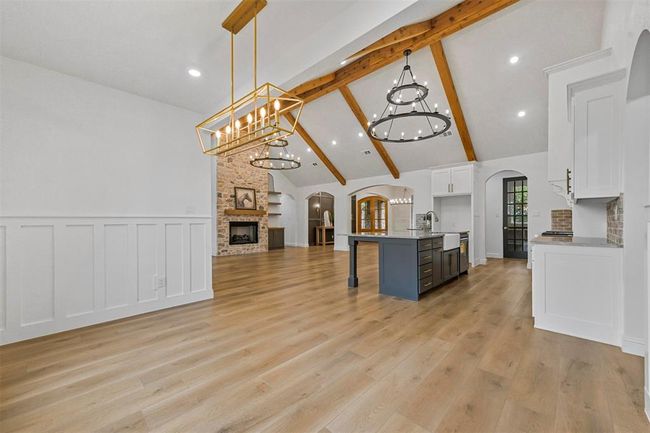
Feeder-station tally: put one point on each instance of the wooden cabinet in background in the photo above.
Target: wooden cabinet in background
(276, 238)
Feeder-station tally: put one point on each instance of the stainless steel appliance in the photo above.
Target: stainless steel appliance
(464, 253)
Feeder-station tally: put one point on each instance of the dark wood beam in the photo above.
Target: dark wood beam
(317, 150)
(363, 121)
(242, 15)
(454, 19)
(452, 96)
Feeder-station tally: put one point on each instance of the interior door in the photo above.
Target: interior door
(515, 217)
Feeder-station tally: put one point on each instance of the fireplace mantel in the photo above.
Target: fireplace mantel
(248, 212)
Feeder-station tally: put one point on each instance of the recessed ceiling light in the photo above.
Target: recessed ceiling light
(514, 59)
(333, 142)
(309, 149)
(522, 113)
(194, 72)
(361, 134)
(344, 62)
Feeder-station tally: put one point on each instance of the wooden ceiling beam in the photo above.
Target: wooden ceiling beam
(399, 35)
(452, 96)
(242, 15)
(452, 20)
(363, 121)
(317, 150)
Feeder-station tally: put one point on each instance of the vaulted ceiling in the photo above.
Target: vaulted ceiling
(146, 48)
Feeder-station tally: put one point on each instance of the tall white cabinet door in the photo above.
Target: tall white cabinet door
(441, 182)
(596, 134)
(461, 180)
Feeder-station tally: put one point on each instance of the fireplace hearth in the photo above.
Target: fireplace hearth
(243, 232)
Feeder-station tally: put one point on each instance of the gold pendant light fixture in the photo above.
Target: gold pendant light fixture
(257, 118)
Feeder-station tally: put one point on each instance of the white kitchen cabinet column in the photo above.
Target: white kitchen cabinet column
(597, 136)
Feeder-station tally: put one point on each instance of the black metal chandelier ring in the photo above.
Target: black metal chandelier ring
(267, 163)
(423, 92)
(390, 117)
(277, 142)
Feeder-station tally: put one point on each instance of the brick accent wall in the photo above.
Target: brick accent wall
(232, 171)
(562, 220)
(615, 221)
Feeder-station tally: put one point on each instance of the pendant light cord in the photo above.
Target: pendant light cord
(232, 79)
(255, 50)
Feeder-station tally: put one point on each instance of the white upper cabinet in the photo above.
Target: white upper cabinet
(441, 182)
(461, 180)
(452, 181)
(583, 125)
(597, 128)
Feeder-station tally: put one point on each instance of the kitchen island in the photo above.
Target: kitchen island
(410, 262)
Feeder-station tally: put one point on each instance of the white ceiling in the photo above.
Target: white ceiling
(145, 48)
(491, 90)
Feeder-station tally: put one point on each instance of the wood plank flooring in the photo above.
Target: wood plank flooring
(285, 347)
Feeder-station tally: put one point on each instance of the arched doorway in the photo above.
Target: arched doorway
(506, 215)
(395, 215)
(320, 217)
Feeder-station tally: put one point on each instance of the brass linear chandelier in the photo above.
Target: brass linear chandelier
(257, 118)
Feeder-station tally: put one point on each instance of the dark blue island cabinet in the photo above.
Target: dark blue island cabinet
(410, 263)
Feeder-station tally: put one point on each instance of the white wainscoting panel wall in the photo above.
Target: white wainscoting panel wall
(61, 273)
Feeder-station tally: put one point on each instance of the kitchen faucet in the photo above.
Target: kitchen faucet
(428, 218)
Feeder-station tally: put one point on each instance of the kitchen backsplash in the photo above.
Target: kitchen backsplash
(615, 221)
(562, 220)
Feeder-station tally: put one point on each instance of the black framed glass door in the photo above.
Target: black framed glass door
(515, 217)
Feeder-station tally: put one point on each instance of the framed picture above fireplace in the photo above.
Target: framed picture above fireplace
(245, 198)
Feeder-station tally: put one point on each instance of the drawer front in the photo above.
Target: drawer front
(426, 271)
(425, 284)
(437, 242)
(425, 257)
(425, 244)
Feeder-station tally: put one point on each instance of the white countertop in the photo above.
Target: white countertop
(574, 241)
(406, 234)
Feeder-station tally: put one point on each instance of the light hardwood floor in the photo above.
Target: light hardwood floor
(285, 347)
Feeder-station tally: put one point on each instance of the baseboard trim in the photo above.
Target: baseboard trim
(647, 403)
(633, 346)
(493, 256)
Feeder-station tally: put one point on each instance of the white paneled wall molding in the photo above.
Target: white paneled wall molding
(61, 273)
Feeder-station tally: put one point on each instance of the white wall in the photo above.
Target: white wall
(419, 181)
(623, 23)
(494, 213)
(455, 213)
(541, 198)
(399, 216)
(288, 208)
(105, 207)
(590, 218)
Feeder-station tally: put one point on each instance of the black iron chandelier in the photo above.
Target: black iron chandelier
(410, 97)
(274, 156)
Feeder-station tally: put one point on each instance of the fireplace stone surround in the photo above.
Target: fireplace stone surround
(235, 171)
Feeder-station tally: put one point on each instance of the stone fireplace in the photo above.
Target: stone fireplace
(235, 171)
(243, 232)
